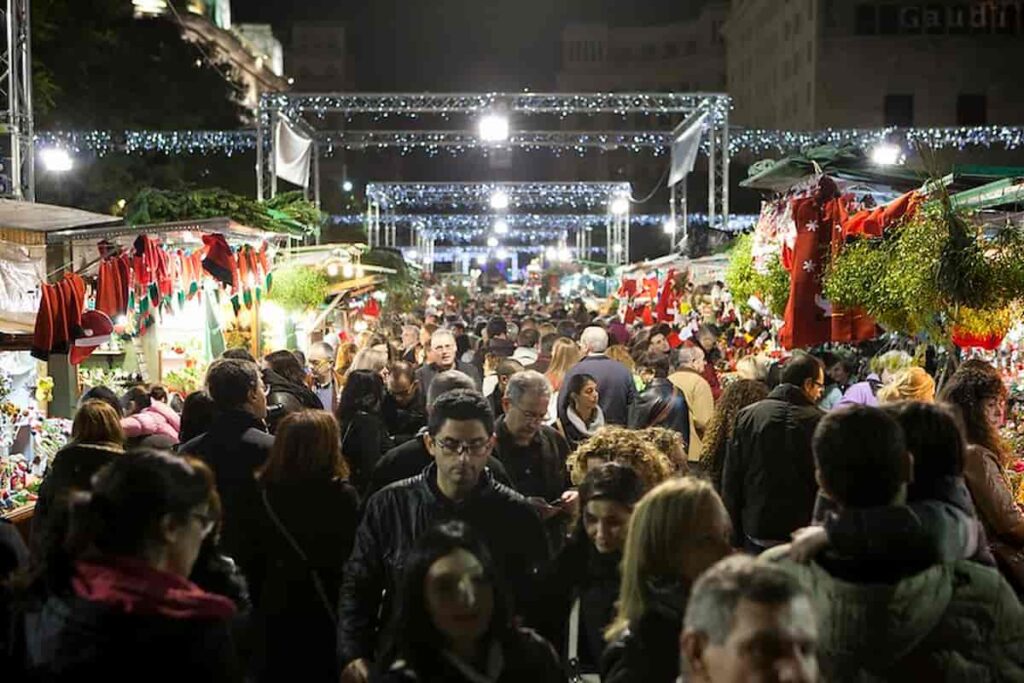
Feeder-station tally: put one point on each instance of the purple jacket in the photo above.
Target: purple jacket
(861, 393)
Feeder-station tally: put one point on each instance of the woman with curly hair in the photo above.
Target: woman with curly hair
(626, 446)
(912, 384)
(981, 398)
(735, 397)
(670, 443)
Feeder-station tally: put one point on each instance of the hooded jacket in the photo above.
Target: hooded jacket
(158, 419)
(951, 622)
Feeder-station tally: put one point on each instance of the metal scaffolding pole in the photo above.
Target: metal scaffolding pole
(16, 120)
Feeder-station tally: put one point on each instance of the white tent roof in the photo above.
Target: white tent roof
(20, 215)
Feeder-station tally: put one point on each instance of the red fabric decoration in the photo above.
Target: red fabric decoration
(805, 321)
(668, 299)
(873, 222)
(219, 261)
(967, 340)
(647, 316)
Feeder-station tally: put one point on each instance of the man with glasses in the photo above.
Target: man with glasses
(768, 483)
(236, 445)
(534, 454)
(457, 485)
(321, 365)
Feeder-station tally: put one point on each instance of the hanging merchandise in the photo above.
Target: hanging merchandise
(96, 331)
(58, 321)
(219, 261)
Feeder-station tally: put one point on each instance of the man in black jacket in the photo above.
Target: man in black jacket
(236, 445)
(413, 456)
(442, 344)
(456, 486)
(768, 483)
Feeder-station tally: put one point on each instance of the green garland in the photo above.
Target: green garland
(923, 273)
(744, 281)
(299, 288)
(286, 213)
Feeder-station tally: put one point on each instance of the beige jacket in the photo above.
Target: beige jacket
(701, 403)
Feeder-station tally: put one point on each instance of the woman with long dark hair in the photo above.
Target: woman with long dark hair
(364, 436)
(197, 415)
(303, 536)
(117, 603)
(583, 415)
(980, 396)
(738, 395)
(454, 621)
(582, 584)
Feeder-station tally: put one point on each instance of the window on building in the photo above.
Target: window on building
(671, 50)
(648, 51)
(971, 110)
(899, 110)
(889, 20)
(865, 20)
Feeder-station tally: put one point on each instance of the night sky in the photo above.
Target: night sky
(458, 44)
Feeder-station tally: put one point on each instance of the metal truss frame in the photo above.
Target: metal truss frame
(16, 120)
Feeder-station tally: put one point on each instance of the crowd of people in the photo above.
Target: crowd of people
(510, 493)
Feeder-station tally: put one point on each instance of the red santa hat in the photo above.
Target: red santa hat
(96, 330)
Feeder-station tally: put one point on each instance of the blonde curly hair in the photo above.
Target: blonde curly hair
(670, 443)
(626, 446)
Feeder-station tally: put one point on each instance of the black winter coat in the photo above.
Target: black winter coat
(428, 372)
(578, 573)
(404, 422)
(527, 658)
(72, 470)
(648, 652)
(236, 445)
(97, 643)
(661, 404)
(364, 439)
(289, 396)
(768, 483)
(293, 627)
(396, 517)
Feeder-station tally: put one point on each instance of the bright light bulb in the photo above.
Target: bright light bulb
(347, 186)
(348, 271)
(617, 248)
(501, 226)
(499, 200)
(360, 326)
(413, 255)
(332, 270)
(56, 160)
(669, 227)
(501, 254)
(492, 241)
(494, 128)
(886, 154)
(620, 205)
(551, 253)
(565, 254)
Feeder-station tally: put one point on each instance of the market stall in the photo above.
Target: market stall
(28, 437)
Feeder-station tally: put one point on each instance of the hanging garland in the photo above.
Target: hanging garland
(770, 283)
(285, 213)
(938, 273)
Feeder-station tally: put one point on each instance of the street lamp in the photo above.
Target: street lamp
(620, 205)
(886, 154)
(499, 200)
(56, 160)
(493, 128)
(346, 185)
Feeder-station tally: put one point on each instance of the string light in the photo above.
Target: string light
(501, 226)
(742, 141)
(451, 197)
(492, 241)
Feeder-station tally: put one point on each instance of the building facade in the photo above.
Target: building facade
(319, 58)
(812, 64)
(681, 57)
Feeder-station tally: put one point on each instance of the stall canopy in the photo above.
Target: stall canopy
(47, 218)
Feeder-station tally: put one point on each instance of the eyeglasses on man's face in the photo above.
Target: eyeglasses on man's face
(455, 447)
